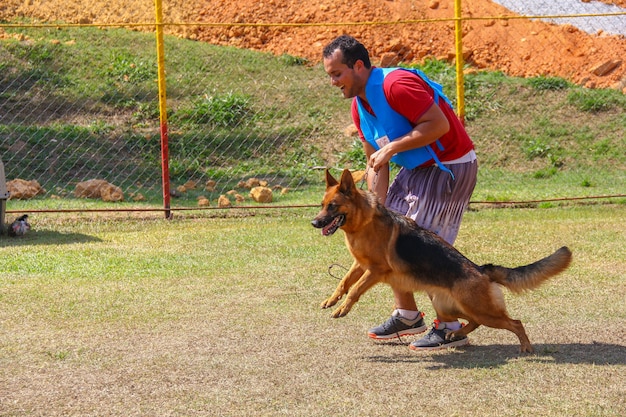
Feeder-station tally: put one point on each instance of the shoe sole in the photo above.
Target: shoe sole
(454, 343)
(407, 332)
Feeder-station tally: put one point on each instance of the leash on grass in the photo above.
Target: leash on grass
(330, 269)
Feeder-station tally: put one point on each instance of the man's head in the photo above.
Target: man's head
(347, 62)
(351, 51)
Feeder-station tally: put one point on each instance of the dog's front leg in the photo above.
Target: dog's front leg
(346, 282)
(367, 281)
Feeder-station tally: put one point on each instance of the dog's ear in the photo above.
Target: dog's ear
(330, 180)
(347, 182)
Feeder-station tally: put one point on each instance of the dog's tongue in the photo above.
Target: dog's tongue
(330, 228)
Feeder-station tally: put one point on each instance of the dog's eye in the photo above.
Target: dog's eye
(330, 207)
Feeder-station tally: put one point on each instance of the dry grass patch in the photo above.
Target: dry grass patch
(203, 316)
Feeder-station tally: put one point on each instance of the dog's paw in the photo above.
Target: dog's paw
(329, 302)
(338, 313)
(341, 311)
(526, 349)
(455, 335)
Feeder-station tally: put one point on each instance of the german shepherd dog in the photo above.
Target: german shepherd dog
(392, 249)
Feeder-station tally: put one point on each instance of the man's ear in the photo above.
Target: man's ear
(330, 180)
(346, 185)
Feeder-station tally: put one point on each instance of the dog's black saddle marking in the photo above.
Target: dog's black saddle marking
(428, 259)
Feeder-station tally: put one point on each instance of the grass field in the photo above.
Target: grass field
(216, 312)
(132, 315)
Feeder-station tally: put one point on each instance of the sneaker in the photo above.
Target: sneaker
(396, 327)
(436, 339)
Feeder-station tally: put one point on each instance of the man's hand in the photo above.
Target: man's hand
(380, 158)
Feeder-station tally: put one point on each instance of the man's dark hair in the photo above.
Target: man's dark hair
(351, 49)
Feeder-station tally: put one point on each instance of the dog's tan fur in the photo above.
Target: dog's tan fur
(393, 249)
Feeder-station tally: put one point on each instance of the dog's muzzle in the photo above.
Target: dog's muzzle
(329, 225)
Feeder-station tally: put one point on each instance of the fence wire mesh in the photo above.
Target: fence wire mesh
(80, 102)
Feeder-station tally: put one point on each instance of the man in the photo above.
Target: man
(403, 118)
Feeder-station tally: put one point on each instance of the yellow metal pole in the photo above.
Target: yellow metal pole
(458, 41)
(165, 171)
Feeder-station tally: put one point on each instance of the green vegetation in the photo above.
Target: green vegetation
(89, 97)
(227, 110)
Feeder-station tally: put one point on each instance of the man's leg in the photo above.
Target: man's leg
(405, 320)
(442, 213)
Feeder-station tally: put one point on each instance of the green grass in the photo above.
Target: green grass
(279, 111)
(131, 315)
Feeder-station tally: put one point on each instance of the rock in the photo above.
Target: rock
(351, 130)
(358, 176)
(606, 67)
(111, 193)
(210, 186)
(96, 188)
(190, 185)
(89, 188)
(252, 182)
(20, 189)
(261, 194)
(223, 202)
(389, 59)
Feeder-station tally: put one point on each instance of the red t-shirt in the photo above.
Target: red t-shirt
(411, 97)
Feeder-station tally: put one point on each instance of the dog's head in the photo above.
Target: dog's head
(337, 203)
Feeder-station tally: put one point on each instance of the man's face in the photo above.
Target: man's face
(347, 79)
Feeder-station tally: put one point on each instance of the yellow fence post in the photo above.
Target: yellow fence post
(165, 171)
(458, 42)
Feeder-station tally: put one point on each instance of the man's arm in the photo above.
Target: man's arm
(430, 127)
(377, 181)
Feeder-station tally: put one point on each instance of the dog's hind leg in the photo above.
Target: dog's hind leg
(519, 330)
(352, 276)
(507, 323)
(447, 309)
(483, 304)
(517, 327)
(463, 331)
(445, 306)
(489, 310)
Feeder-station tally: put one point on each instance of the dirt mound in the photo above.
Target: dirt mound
(516, 47)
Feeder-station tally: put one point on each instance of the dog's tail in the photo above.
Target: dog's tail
(530, 276)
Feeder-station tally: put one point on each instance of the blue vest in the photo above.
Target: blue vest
(390, 125)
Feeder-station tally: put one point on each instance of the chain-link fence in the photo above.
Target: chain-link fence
(80, 102)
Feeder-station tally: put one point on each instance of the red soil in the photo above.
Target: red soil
(516, 46)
